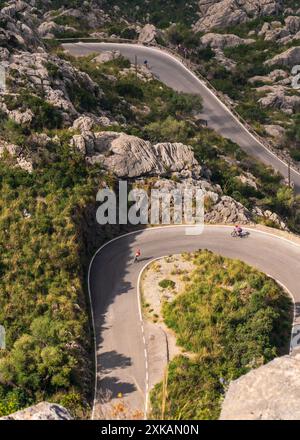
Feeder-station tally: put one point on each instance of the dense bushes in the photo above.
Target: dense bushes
(159, 12)
(230, 318)
(159, 100)
(42, 304)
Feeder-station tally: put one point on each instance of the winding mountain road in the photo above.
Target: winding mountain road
(173, 73)
(122, 341)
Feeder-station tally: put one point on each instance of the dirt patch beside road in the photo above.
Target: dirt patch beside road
(173, 273)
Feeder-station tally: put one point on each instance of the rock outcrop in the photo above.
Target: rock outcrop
(106, 56)
(277, 97)
(15, 152)
(17, 26)
(89, 122)
(276, 75)
(148, 34)
(53, 77)
(282, 33)
(228, 63)
(270, 392)
(228, 210)
(41, 411)
(49, 29)
(276, 132)
(130, 156)
(220, 41)
(289, 58)
(216, 14)
(87, 15)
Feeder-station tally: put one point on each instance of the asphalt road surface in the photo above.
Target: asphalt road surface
(121, 349)
(173, 73)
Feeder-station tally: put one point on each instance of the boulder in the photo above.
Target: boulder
(284, 34)
(41, 411)
(276, 34)
(264, 29)
(49, 29)
(290, 39)
(289, 58)
(219, 41)
(148, 34)
(88, 122)
(270, 392)
(275, 131)
(142, 72)
(248, 179)
(24, 117)
(275, 75)
(108, 55)
(292, 23)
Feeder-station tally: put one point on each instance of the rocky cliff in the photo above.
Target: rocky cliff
(217, 14)
(41, 411)
(270, 392)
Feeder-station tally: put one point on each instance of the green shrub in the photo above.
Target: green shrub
(167, 284)
(129, 34)
(129, 90)
(42, 305)
(159, 12)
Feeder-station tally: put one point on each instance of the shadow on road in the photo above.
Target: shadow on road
(112, 387)
(111, 360)
(109, 281)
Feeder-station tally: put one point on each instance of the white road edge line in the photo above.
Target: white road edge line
(138, 291)
(138, 232)
(294, 302)
(178, 61)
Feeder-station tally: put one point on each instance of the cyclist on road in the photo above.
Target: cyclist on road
(238, 230)
(137, 255)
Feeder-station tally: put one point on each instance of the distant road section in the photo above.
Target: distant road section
(174, 74)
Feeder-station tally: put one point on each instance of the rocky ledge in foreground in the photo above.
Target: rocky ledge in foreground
(41, 411)
(270, 392)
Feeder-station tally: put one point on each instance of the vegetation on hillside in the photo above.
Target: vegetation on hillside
(230, 318)
(42, 305)
(161, 13)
